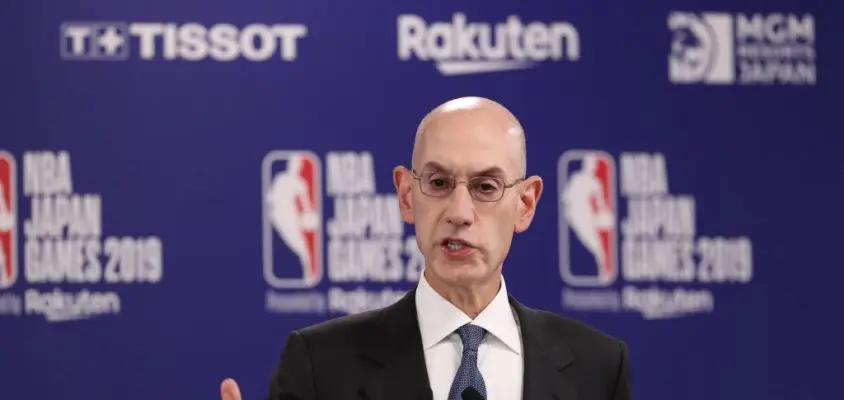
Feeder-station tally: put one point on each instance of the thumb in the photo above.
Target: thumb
(229, 390)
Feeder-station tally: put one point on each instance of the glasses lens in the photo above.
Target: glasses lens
(486, 188)
(436, 184)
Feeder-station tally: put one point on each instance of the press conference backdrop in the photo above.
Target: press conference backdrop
(186, 182)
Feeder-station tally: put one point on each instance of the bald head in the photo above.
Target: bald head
(475, 112)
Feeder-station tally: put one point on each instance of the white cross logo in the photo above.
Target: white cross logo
(110, 40)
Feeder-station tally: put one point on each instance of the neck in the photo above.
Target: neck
(472, 298)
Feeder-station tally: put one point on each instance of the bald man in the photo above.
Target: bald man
(458, 334)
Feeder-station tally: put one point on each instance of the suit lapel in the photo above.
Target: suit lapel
(393, 348)
(546, 359)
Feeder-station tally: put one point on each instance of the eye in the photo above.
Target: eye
(487, 185)
(437, 181)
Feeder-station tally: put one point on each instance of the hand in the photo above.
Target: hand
(229, 390)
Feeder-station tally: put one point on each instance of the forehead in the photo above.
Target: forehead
(469, 142)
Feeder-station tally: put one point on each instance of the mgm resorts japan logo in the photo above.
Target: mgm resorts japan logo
(715, 48)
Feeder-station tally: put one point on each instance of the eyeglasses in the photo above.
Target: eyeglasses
(482, 188)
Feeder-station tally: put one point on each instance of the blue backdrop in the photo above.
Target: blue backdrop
(152, 245)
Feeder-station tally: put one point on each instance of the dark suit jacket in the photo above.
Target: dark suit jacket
(378, 355)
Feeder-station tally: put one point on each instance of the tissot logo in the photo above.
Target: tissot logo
(94, 41)
(118, 41)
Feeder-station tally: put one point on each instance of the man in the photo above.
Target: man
(458, 333)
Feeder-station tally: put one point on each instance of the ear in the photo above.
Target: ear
(403, 181)
(531, 190)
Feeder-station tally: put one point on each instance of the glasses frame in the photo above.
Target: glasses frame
(455, 182)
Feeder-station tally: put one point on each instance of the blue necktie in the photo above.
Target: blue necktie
(468, 373)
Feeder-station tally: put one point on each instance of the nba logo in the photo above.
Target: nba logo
(587, 218)
(8, 211)
(292, 219)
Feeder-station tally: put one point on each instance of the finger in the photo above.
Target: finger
(229, 390)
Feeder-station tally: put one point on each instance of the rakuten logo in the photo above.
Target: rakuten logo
(461, 48)
(109, 41)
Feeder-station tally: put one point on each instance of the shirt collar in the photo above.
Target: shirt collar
(438, 318)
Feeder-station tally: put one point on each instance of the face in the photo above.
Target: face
(465, 240)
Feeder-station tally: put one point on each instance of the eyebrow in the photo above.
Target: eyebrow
(491, 171)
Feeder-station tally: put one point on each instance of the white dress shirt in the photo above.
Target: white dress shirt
(499, 355)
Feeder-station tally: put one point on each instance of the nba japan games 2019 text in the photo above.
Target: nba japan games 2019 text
(67, 270)
(651, 260)
(357, 259)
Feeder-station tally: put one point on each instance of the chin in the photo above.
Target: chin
(459, 273)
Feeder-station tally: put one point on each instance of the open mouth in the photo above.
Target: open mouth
(454, 246)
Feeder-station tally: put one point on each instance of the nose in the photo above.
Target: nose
(461, 208)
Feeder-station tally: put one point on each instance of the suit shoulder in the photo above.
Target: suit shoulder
(580, 334)
(593, 349)
(340, 327)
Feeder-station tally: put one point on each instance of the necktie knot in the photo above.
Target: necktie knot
(471, 336)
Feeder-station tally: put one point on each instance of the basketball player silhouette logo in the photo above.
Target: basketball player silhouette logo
(588, 210)
(8, 233)
(292, 208)
(7, 218)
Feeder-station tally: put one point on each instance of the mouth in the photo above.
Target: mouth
(455, 247)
